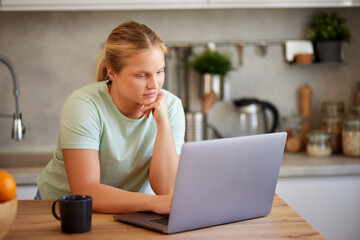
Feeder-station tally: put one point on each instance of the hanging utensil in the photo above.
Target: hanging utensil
(208, 101)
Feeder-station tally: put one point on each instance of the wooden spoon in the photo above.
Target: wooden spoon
(208, 101)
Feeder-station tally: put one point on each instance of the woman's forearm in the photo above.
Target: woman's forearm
(108, 199)
(164, 162)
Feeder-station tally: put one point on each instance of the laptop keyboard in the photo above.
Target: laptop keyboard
(163, 221)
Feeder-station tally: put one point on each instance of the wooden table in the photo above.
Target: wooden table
(34, 220)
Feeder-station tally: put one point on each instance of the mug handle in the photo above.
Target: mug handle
(54, 211)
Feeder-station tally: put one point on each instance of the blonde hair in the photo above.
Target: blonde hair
(124, 41)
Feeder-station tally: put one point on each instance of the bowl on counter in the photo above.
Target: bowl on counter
(8, 212)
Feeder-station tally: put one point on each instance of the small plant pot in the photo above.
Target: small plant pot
(328, 51)
(304, 58)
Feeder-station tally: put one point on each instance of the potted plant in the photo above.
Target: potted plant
(213, 66)
(328, 31)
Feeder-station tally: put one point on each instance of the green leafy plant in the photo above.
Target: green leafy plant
(329, 26)
(212, 62)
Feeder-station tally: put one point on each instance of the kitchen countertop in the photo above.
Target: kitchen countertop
(293, 165)
(34, 220)
(301, 165)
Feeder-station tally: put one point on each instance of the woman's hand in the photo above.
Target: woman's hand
(161, 204)
(164, 160)
(158, 108)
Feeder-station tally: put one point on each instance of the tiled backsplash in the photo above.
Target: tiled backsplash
(55, 53)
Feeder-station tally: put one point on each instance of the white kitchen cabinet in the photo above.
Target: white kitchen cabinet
(281, 3)
(9, 5)
(330, 204)
(44, 5)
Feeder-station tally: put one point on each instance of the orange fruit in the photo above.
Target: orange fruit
(7, 186)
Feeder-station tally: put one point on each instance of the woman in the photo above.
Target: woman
(122, 132)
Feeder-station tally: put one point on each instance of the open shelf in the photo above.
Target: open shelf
(319, 64)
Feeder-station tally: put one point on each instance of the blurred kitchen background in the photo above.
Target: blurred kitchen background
(55, 53)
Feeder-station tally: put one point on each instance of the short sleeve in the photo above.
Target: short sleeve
(80, 126)
(177, 120)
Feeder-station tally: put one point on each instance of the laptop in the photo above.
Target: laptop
(219, 181)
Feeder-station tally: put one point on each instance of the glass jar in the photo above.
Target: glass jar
(358, 93)
(351, 137)
(332, 109)
(333, 126)
(292, 125)
(319, 144)
(355, 110)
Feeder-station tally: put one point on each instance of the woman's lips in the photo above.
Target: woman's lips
(151, 95)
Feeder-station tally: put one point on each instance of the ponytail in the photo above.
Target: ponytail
(101, 67)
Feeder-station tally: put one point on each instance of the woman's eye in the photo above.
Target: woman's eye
(159, 72)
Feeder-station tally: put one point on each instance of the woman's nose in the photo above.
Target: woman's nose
(152, 82)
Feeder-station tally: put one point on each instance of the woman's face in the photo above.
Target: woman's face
(141, 79)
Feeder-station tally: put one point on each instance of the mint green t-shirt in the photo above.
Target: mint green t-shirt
(90, 120)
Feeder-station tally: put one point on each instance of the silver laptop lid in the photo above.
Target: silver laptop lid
(226, 180)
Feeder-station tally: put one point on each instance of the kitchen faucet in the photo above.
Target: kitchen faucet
(18, 130)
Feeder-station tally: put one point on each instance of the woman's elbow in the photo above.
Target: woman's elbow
(161, 187)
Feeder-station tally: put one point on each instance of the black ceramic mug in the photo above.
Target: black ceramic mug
(75, 213)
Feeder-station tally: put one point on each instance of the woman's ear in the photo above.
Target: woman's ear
(110, 73)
